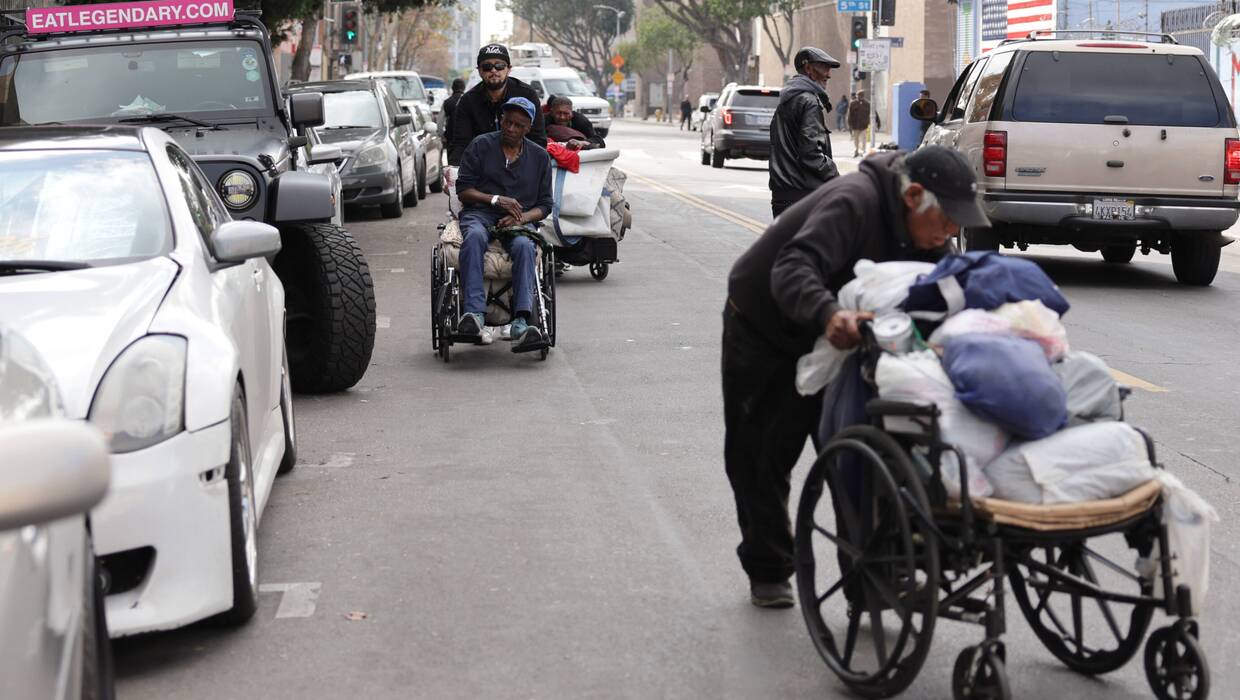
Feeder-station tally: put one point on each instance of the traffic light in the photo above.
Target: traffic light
(860, 30)
(886, 13)
(349, 26)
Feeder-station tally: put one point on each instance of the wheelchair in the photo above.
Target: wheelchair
(446, 301)
(886, 554)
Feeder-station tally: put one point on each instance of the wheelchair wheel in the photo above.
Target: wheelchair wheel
(549, 282)
(980, 673)
(436, 283)
(599, 270)
(1175, 665)
(877, 558)
(1088, 634)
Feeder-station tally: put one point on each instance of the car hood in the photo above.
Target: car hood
(246, 140)
(349, 140)
(80, 320)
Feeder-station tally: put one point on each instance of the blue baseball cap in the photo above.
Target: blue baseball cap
(523, 104)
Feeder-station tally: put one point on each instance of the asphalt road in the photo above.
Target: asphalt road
(503, 527)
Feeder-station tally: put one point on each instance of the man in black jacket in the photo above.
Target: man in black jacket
(782, 297)
(449, 105)
(800, 141)
(481, 109)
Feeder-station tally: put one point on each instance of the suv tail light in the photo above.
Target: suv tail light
(1231, 162)
(727, 117)
(994, 154)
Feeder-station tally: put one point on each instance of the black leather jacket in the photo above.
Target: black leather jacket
(800, 141)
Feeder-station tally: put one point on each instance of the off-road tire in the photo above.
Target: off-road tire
(396, 208)
(331, 307)
(1195, 257)
(97, 678)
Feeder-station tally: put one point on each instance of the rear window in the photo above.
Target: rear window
(1085, 88)
(757, 99)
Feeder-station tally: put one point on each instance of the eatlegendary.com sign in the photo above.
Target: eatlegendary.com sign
(126, 15)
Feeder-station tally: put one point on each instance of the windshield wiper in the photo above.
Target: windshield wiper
(168, 117)
(349, 126)
(9, 267)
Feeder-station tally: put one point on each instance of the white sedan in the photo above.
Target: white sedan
(163, 323)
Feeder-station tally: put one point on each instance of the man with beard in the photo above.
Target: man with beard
(800, 141)
(481, 109)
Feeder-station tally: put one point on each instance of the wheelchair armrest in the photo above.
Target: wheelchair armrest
(885, 407)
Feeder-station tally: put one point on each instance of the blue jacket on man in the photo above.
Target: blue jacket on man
(527, 179)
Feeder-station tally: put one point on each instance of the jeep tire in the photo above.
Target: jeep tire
(1195, 257)
(330, 302)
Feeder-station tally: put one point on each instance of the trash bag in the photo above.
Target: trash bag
(877, 287)
(1031, 319)
(1187, 517)
(919, 376)
(980, 280)
(1008, 381)
(1086, 463)
(1093, 394)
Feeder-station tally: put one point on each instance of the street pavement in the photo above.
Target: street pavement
(503, 527)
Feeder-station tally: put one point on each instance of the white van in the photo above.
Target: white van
(534, 64)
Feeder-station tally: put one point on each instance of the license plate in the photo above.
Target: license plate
(1115, 210)
(759, 120)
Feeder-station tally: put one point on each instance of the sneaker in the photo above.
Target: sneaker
(771, 595)
(505, 332)
(488, 335)
(526, 338)
(469, 325)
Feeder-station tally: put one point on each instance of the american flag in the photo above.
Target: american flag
(1014, 19)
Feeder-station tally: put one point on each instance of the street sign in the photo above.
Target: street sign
(617, 77)
(629, 85)
(874, 54)
(617, 61)
(853, 5)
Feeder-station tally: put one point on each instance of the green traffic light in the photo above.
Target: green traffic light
(350, 35)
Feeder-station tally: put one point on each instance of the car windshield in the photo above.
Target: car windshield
(566, 86)
(756, 99)
(81, 206)
(1086, 88)
(405, 88)
(356, 108)
(212, 80)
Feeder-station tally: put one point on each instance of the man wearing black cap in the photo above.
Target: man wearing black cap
(782, 297)
(481, 109)
(800, 141)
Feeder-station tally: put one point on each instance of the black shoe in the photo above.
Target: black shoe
(469, 328)
(526, 338)
(771, 595)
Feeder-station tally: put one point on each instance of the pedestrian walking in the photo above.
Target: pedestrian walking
(859, 121)
(800, 159)
(782, 297)
(449, 105)
(686, 111)
(841, 112)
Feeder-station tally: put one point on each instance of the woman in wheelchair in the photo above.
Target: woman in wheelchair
(504, 185)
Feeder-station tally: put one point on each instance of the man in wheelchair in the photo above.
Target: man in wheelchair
(504, 185)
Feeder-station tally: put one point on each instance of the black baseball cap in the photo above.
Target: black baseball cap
(494, 51)
(946, 173)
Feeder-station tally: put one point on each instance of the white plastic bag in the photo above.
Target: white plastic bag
(1027, 319)
(877, 287)
(1187, 517)
(919, 376)
(968, 322)
(1087, 463)
(1093, 394)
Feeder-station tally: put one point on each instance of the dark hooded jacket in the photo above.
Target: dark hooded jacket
(800, 141)
(475, 115)
(784, 287)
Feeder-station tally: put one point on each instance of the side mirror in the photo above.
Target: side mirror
(402, 119)
(52, 468)
(924, 109)
(321, 154)
(306, 109)
(705, 110)
(238, 241)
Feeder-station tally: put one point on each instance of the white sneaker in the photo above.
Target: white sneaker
(488, 335)
(505, 332)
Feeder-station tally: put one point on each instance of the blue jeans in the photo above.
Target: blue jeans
(474, 224)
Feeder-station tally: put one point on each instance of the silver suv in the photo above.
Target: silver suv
(1108, 145)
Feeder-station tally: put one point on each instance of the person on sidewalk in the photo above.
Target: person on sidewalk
(686, 111)
(841, 112)
(480, 110)
(800, 159)
(449, 105)
(504, 183)
(782, 297)
(859, 121)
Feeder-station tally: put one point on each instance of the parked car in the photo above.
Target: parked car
(54, 642)
(431, 149)
(706, 102)
(1106, 145)
(163, 324)
(437, 93)
(363, 119)
(739, 126)
(406, 85)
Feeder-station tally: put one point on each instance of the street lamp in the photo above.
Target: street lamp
(619, 14)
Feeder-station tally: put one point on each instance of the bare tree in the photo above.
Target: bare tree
(778, 27)
(727, 25)
(582, 33)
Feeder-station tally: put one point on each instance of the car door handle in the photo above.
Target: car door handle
(1115, 163)
(258, 279)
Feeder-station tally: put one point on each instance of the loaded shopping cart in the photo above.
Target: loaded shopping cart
(591, 215)
(883, 554)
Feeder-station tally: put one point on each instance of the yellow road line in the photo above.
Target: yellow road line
(751, 225)
(1136, 382)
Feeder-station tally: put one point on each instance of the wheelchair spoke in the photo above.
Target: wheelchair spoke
(1087, 570)
(840, 542)
(850, 640)
(876, 629)
(1111, 565)
(888, 595)
(844, 580)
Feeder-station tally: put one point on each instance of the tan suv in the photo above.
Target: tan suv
(1103, 144)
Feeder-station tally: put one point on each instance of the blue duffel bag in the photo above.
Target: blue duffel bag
(980, 280)
(1007, 380)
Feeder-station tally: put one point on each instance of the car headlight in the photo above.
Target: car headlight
(238, 189)
(370, 155)
(141, 400)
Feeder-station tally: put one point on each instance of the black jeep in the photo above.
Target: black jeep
(213, 87)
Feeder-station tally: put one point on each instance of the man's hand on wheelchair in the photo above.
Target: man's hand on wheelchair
(844, 329)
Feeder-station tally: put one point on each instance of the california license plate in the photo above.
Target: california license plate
(1115, 210)
(761, 120)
